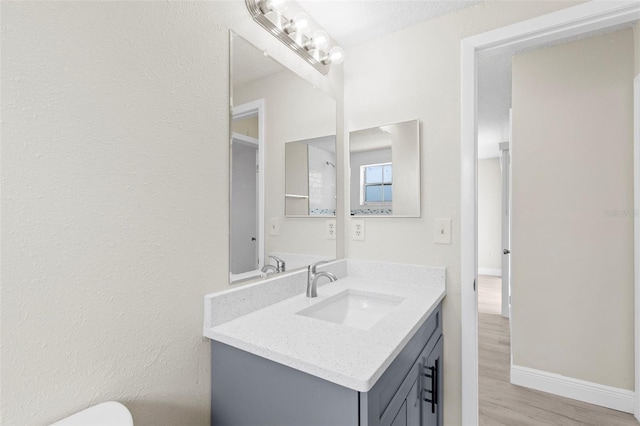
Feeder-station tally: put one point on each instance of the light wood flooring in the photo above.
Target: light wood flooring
(502, 403)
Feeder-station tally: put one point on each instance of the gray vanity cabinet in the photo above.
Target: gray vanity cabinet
(431, 393)
(419, 396)
(404, 390)
(422, 404)
(250, 390)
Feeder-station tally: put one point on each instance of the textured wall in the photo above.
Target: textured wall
(572, 229)
(489, 214)
(419, 77)
(115, 202)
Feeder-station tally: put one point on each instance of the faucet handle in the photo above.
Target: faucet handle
(315, 265)
(280, 265)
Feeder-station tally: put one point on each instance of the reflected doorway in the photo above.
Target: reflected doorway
(247, 192)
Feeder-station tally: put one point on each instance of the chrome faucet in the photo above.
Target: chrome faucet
(269, 269)
(280, 265)
(312, 278)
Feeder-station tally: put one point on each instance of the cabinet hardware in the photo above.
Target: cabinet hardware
(426, 370)
(434, 386)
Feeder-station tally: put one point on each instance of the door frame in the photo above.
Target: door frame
(636, 235)
(580, 19)
(505, 214)
(246, 110)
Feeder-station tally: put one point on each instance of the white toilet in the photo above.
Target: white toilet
(109, 413)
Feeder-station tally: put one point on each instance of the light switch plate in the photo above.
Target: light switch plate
(357, 229)
(331, 229)
(442, 231)
(274, 226)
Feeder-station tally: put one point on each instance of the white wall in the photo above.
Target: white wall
(297, 177)
(489, 214)
(572, 156)
(114, 202)
(415, 73)
(406, 170)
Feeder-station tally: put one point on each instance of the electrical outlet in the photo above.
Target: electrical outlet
(274, 226)
(331, 229)
(442, 231)
(357, 229)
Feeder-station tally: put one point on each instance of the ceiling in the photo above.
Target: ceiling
(352, 22)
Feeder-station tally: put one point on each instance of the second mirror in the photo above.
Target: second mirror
(384, 166)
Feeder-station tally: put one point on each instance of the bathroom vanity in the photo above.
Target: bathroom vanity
(250, 390)
(366, 351)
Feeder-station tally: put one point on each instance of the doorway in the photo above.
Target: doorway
(581, 19)
(490, 245)
(247, 191)
(244, 204)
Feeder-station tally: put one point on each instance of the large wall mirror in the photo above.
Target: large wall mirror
(384, 164)
(283, 175)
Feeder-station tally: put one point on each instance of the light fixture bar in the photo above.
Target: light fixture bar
(258, 16)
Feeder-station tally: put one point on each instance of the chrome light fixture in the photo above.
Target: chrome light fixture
(296, 33)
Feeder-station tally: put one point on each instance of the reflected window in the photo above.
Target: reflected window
(377, 183)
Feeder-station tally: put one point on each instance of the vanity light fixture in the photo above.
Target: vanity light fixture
(296, 33)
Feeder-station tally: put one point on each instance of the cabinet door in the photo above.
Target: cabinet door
(432, 387)
(398, 407)
(413, 402)
(401, 418)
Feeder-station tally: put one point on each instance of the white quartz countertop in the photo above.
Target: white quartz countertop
(350, 357)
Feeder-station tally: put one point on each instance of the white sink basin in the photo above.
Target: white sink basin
(353, 308)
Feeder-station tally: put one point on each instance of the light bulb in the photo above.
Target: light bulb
(297, 25)
(336, 55)
(300, 22)
(320, 39)
(279, 5)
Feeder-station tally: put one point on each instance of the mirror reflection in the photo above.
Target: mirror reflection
(273, 108)
(384, 166)
(310, 177)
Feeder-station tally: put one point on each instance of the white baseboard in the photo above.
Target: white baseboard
(593, 393)
(490, 271)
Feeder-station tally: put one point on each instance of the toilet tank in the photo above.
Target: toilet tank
(109, 413)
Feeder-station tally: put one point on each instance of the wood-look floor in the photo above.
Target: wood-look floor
(502, 403)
